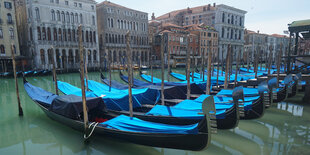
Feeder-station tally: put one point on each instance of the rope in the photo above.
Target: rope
(96, 123)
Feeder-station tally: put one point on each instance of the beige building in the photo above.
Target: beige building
(8, 34)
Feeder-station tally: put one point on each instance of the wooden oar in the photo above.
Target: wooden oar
(20, 109)
(54, 71)
(129, 58)
(81, 49)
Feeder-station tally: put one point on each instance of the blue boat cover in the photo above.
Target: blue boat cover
(113, 101)
(160, 110)
(248, 92)
(140, 96)
(40, 95)
(126, 123)
(149, 78)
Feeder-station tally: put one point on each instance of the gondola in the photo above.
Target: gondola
(257, 107)
(226, 117)
(38, 72)
(252, 108)
(67, 110)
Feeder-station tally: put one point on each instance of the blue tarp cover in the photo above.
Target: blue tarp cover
(248, 92)
(160, 110)
(126, 123)
(39, 94)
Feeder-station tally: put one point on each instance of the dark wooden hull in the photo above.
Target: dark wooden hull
(257, 111)
(230, 121)
(175, 141)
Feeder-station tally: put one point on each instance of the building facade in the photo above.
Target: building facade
(265, 43)
(228, 22)
(8, 34)
(114, 21)
(53, 24)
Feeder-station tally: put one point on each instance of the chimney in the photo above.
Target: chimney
(204, 8)
(209, 5)
(257, 31)
(169, 15)
(153, 16)
(214, 4)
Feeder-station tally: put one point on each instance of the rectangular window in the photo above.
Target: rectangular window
(80, 5)
(52, 1)
(93, 8)
(57, 1)
(66, 2)
(8, 5)
(1, 33)
(75, 4)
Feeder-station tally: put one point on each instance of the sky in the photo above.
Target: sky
(267, 16)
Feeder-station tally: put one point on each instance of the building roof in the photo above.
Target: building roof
(115, 5)
(299, 26)
(200, 27)
(194, 10)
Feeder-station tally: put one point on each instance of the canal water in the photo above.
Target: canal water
(284, 129)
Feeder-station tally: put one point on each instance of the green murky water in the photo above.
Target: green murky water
(284, 129)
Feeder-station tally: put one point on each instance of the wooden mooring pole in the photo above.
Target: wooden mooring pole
(208, 89)
(188, 66)
(237, 68)
(85, 111)
(20, 109)
(129, 58)
(151, 65)
(218, 67)
(227, 67)
(162, 69)
(110, 70)
(54, 71)
(270, 59)
(279, 59)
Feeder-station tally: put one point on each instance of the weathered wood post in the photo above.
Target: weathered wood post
(237, 68)
(218, 67)
(162, 51)
(81, 49)
(20, 109)
(110, 69)
(203, 64)
(278, 63)
(54, 71)
(270, 59)
(86, 68)
(192, 59)
(188, 66)
(168, 63)
(227, 67)
(151, 65)
(256, 61)
(208, 89)
(129, 58)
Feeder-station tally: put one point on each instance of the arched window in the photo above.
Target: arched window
(39, 33)
(43, 33)
(11, 32)
(2, 49)
(118, 24)
(94, 36)
(72, 18)
(69, 35)
(59, 34)
(49, 37)
(76, 18)
(55, 34)
(58, 15)
(53, 15)
(86, 36)
(122, 24)
(63, 18)
(68, 17)
(37, 13)
(90, 36)
(42, 55)
(64, 35)
(73, 35)
(81, 18)
(10, 20)
(30, 34)
(223, 17)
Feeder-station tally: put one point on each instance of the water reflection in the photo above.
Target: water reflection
(284, 129)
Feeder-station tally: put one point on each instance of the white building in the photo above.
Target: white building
(43, 24)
